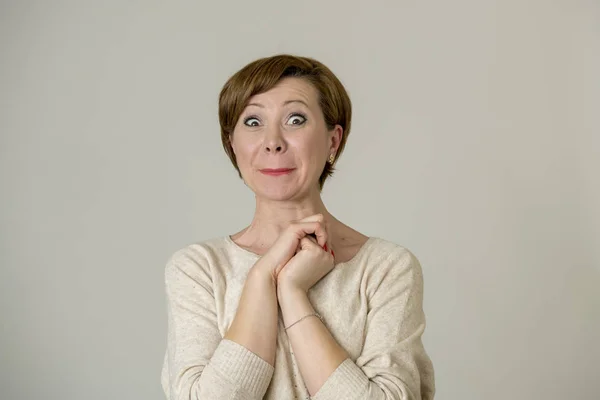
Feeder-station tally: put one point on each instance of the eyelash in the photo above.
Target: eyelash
(251, 117)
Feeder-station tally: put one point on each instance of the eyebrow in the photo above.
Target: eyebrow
(285, 103)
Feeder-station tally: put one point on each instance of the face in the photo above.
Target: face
(281, 142)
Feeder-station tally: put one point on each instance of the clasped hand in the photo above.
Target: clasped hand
(300, 257)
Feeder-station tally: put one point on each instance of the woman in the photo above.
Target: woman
(296, 305)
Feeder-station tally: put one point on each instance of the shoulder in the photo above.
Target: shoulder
(195, 260)
(200, 250)
(386, 252)
(392, 263)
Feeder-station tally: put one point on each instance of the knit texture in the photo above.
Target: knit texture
(371, 304)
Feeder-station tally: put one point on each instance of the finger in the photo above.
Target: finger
(307, 243)
(313, 218)
(317, 218)
(311, 237)
(303, 229)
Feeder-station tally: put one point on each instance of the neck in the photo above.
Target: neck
(272, 217)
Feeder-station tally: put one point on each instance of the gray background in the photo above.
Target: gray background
(475, 144)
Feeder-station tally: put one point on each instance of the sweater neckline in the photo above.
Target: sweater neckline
(358, 254)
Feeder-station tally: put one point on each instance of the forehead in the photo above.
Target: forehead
(288, 89)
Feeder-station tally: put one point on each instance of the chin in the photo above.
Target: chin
(279, 192)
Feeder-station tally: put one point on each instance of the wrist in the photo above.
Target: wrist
(294, 304)
(261, 276)
(290, 294)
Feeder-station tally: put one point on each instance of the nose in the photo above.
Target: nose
(273, 148)
(274, 142)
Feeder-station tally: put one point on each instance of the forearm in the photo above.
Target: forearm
(317, 352)
(255, 323)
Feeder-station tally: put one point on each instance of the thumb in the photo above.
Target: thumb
(308, 243)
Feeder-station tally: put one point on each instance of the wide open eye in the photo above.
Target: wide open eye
(251, 121)
(297, 119)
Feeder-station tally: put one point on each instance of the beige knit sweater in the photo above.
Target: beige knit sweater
(371, 304)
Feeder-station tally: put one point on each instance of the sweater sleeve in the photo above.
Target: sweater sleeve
(393, 364)
(199, 364)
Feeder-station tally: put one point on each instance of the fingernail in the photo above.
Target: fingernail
(325, 247)
(332, 253)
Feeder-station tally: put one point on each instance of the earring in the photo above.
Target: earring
(331, 158)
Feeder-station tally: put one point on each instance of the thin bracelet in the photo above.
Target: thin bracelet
(306, 316)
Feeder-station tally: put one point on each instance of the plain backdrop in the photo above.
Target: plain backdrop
(475, 144)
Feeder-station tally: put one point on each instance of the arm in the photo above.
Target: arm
(393, 364)
(199, 363)
(255, 322)
(317, 352)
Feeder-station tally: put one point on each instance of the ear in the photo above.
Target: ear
(230, 139)
(335, 138)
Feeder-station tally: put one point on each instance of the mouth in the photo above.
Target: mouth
(276, 171)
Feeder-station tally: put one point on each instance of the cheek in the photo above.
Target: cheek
(309, 154)
(313, 146)
(245, 151)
